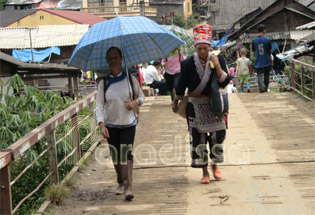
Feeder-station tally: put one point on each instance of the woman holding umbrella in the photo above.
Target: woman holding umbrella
(117, 99)
(203, 82)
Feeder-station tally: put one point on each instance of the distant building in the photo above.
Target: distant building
(21, 4)
(34, 18)
(29, 4)
(108, 8)
(44, 36)
(281, 16)
(222, 13)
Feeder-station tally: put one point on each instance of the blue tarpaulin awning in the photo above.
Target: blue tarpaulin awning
(39, 55)
(274, 44)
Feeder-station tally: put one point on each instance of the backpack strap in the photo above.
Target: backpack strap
(105, 80)
(131, 84)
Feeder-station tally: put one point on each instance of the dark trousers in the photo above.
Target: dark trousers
(263, 77)
(171, 81)
(121, 143)
(199, 151)
(161, 85)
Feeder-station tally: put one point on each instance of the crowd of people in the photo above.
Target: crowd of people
(199, 80)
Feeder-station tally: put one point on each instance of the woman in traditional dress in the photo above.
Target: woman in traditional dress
(203, 74)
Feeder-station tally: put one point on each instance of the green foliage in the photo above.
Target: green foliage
(15, 82)
(23, 112)
(1, 89)
(180, 21)
(19, 114)
(28, 182)
(70, 182)
(2, 2)
(57, 193)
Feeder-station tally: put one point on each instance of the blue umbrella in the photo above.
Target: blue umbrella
(139, 38)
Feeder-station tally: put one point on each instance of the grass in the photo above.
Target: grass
(57, 193)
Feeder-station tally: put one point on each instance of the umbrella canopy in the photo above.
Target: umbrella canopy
(139, 38)
(188, 48)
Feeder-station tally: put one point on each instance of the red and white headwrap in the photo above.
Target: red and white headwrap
(202, 34)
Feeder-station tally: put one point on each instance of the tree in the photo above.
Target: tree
(2, 3)
(180, 21)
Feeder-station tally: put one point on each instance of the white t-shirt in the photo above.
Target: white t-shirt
(244, 63)
(113, 112)
(151, 75)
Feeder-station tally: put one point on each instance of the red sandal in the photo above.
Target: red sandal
(205, 180)
(216, 173)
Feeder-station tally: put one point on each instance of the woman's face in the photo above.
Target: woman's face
(202, 50)
(113, 59)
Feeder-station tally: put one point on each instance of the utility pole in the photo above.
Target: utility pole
(172, 14)
(29, 30)
(142, 8)
(164, 19)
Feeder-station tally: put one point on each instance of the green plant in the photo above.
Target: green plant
(2, 3)
(180, 21)
(56, 193)
(19, 114)
(70, 182)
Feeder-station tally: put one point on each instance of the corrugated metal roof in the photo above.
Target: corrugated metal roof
(289, 35)
(9, 16)
(77, 16)
(42, 36)
(21, 2)
(306, 26)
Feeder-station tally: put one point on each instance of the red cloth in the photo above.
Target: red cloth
(202, 34)
(141, 77)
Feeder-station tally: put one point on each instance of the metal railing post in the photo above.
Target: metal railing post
(293, 84)
(302, 81)
(92, 121)
(76, 136)
(75, 86)
(313, 84)
(53, 160)
(5, 187)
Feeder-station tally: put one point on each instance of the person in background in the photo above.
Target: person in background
(232, 71)
(172, 70)
(140, 75)
(118, 97)
(243, 66)
(262, 49)
(153, 78)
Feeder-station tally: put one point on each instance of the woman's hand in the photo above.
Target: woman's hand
(104, 131)
(131, 105)
(175, 105)
(215, 61)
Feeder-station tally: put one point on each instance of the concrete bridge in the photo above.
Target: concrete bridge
(269, 167)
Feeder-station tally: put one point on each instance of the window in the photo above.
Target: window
(122, 2)
(41, 17)
(188, 7)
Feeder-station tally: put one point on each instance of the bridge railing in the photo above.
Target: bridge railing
(47, 132)
(303, 82)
